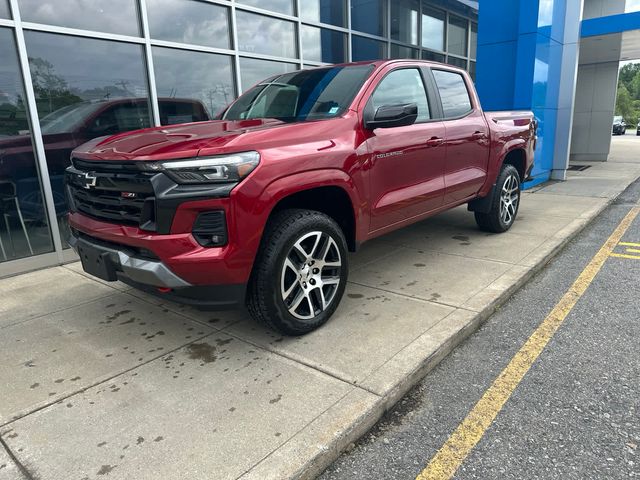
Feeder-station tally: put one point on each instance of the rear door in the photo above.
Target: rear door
(406, 163)
(467, 135)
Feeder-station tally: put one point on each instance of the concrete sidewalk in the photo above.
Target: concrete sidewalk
(100, 380)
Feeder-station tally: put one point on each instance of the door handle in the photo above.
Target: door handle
(435, 141)
(479, 136)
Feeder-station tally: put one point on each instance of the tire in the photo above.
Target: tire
(300, 272)
(504, 204)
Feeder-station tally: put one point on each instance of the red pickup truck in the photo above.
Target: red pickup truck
(260, 206)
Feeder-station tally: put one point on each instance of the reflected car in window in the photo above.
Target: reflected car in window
(70, 126)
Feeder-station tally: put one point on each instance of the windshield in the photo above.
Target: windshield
(301, 96)
(67, 119)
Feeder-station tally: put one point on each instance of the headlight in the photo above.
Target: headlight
(223, 169)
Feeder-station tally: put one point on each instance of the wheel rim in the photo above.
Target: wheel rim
(509, 198)
(311, 275)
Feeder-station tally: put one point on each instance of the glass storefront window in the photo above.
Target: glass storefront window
(99, 90)
(473, 41)
(472, 70)
(363, 48)
(400, 51)
(433, 28)
(114, 16)
(369, 16)
(457, 62)
(324, 11)
(24, 228)
(280, 6)
(457, 40)
(253, 70)
(266, 35)
(189, 21)
(404, 21)
(192, 86)
(432, 56)
(4, 9)
(323, 45)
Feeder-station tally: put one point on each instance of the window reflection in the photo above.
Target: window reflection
(453, 93)
(323, 45)
(472, 70)
(192, 86)
(404, 21)
(189, 21)
(24, 229)
(266, 35)
(324, 11)
(99, 90)
(280, 6)
(400, 51)
(473, 40)
(253, 70)
(400, 87)
(369, 16)
(457, 40)
(432, 56)
(433, 28)
(114, 16)
(457, 62)
(4, 9)
(363, 48)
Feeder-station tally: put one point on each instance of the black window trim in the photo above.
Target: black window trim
(434, 107)
(474, 107)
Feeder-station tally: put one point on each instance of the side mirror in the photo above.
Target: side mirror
(389, 116)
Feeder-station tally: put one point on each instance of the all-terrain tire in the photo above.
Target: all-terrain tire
(265, 292)
(496, 220)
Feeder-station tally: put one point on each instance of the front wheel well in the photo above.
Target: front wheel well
(332, 201)
(517, 158)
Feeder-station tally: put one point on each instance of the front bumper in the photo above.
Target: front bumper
(114, 262)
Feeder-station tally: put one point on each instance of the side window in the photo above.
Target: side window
(402, 86)
(453, 93)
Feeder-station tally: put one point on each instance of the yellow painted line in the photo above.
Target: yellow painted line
(633, 250)
(622, 255)
(448, 459)
(629, 244)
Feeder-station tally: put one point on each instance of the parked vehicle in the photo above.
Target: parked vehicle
(638, 129)
(619, 126)
(260, 206)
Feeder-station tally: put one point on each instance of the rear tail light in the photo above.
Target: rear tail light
(210, 229)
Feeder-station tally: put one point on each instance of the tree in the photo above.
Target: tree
(624, 103)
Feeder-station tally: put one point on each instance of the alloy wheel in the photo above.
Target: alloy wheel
(509, 198)
(311, 275)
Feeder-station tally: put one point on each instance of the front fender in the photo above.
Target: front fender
(284, 187)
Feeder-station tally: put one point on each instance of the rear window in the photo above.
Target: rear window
(453, 93)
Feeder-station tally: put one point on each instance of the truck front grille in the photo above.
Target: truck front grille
(115, 192)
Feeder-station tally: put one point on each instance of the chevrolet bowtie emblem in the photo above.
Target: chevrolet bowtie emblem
(87, 180)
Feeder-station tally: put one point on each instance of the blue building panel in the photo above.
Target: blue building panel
(520, 65)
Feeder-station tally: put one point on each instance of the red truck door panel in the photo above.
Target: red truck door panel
(467, 137)
(407, 163)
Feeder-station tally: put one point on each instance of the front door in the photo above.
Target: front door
(407, 163)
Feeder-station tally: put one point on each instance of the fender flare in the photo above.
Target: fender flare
(284, 187)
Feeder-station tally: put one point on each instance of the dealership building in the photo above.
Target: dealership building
(73, 71)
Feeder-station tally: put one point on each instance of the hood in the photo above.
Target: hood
(172, 142)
